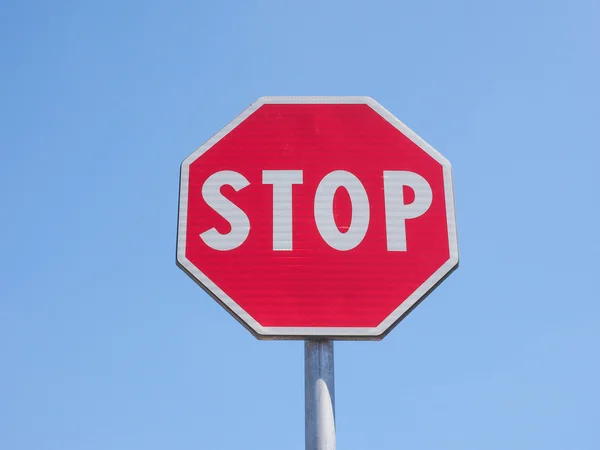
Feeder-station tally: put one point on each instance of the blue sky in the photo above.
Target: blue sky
(106, 344)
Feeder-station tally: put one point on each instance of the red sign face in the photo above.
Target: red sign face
(317, 217)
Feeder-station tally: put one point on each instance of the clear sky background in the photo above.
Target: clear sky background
(106, 345)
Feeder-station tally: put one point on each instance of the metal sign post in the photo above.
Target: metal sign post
(319, 395)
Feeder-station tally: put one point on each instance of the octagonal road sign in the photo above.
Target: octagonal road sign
(317, 217)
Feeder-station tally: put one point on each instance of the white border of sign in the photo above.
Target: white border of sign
(373, 333)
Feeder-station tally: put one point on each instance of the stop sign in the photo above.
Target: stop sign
(317, 217)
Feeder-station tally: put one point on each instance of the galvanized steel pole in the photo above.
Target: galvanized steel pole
(319, 395)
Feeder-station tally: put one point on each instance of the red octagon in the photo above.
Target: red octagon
(317, 217)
